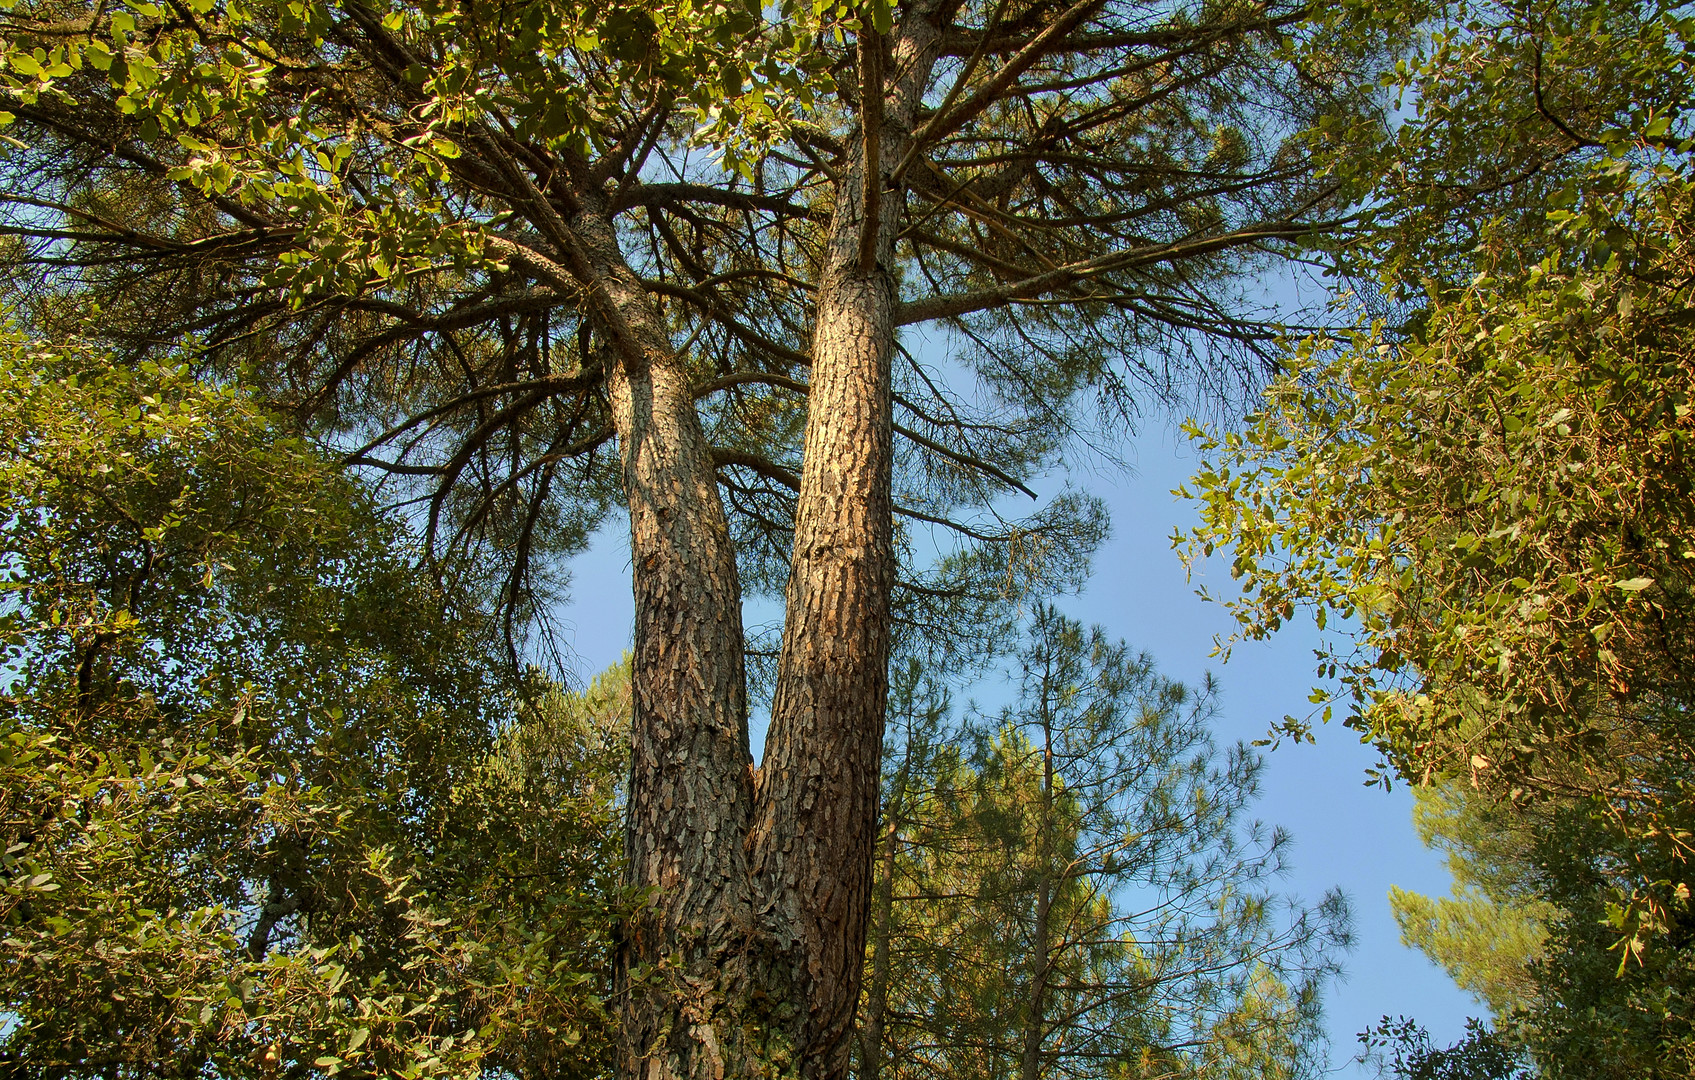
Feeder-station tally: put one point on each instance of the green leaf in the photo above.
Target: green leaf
(882, 15)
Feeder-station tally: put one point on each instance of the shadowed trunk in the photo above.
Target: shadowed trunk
(874, 1013)
(690, 784)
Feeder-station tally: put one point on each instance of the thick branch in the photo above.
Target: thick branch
(672, 194)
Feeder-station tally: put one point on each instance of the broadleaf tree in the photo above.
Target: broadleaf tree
(472, 244)
(252, 759)
(1494, 489)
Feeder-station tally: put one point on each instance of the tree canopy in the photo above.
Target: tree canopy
(1492, 490)
(471, 245)
(363, 209)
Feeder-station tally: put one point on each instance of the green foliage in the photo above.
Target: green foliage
(1490, 931)
(1498, 506)
(245, 89)
(1614, 993)
(1069, 887)
(1533, 930)
(1495, 498)
(1513, 111)
(253, 759)
(1401, 1048)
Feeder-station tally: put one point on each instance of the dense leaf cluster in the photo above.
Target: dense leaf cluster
(251, 762)
(1495, 495)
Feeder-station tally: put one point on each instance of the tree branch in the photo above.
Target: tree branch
(951, 306)
(871, 125)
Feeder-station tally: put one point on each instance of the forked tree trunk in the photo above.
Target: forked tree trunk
(745, 959)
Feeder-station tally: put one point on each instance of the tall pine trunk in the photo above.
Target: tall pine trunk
(1047, 880)
(815, 814)
(680, 965)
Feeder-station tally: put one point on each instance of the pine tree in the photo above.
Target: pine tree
(1068, 887)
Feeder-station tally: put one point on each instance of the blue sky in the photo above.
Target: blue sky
(1346, 834)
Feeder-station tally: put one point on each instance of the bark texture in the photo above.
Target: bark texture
(816, 803)
(681, 961)
(746, 958)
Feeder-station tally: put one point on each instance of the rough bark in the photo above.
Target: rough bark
(680, 961)
(816, 802)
